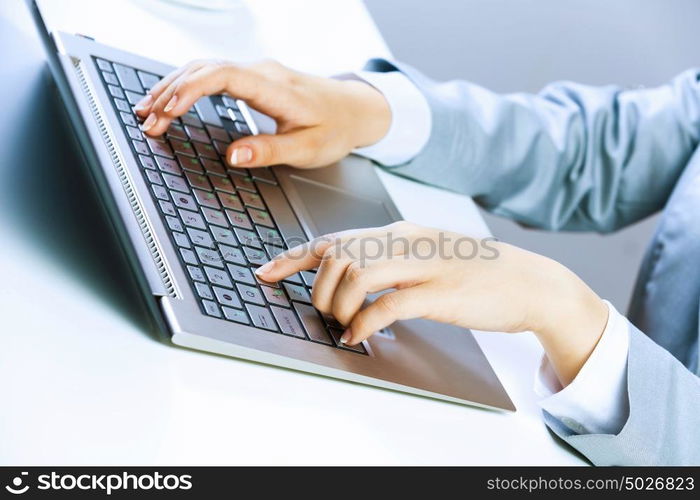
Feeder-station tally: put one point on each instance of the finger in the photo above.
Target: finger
(358, 280)
(163, 107)
(298, 258)
(407, 303)
(309, 255)
(143, 107)
(298, 149)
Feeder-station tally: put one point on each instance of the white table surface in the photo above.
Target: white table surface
(84, 383)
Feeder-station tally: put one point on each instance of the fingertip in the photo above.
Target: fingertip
(240, 155)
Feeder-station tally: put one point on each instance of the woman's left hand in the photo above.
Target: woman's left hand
(447, 277)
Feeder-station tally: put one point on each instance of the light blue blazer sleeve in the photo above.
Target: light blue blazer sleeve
(573, 157)
(576, 157)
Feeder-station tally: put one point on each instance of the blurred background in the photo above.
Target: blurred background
(521, 45)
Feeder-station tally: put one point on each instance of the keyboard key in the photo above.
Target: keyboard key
(159, 147)
(141, 147)
(127, 77)
(260, 217)
(188, 256)
(250, 294)
(211, 308)
(148, 80)
(232, 254)
(153, 177)
(261, 317)
(242, 128)
(213, 166)
(315, 328)
(176, 183)
(110, 78)
(247, 237)
(288, 322)
(184, 201)
(181, 240)
(252, 200)
(337, 333)
(103, 65)
(182, 147)
(218, 277)
(204, 291)
(245, 183)
(167, 208)
(230, 201)
(168, 165)
(308, 277)
(209, 257)
(133, 97)
(160, 192)
(116, 91)
(134, 133)
(263, 174)
(218, 133)
(214, 217)
(198, 181)
(294, 279)
(239, 219)
(206, 110)
(128, 119)
(270, 236)
(174, 223)
(206, 199)
(191, 164)
(272, 284)
(196, 273)
(297, 292)
(197, 134)
(221, 147)
(227, 298)
(275, 296)
(273, 251)
(176, 131)
(200, 238)
(191, 119)
(255, 256)
(147, 162)
(224, 236)
(222, 183)
(236, 315)
(192, 219)
(242, 274)
(122, 105)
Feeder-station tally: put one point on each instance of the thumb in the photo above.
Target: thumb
(297, 148)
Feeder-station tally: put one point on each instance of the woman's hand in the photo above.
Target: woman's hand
(319, 120)
(447, 277)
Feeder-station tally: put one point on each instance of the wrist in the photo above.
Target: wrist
(369, 111)
(571, 321)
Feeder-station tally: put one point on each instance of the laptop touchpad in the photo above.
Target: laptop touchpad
(333, 209)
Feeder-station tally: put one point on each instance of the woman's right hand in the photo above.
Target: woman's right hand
(319, 120)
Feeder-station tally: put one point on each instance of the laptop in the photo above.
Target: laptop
(194, 230)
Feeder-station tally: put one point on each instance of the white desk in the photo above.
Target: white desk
(84, 383)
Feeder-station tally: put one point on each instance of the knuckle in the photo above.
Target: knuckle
(354, 273)
(388, 304)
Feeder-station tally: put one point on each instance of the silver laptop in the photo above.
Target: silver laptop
(194, 230)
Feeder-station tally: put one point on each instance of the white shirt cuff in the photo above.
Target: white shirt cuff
(595, 402)
(411, 120)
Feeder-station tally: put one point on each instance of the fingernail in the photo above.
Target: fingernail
(345, 337)
(265, 268)
(144, 103)
(241, 155)
(149, 122)
(171, 104)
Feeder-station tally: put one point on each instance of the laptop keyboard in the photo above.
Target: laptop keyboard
(222, 221)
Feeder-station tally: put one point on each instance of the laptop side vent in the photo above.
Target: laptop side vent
(125, 181)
